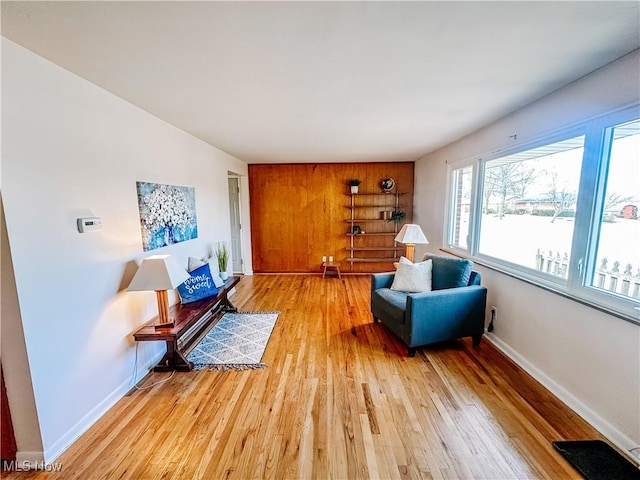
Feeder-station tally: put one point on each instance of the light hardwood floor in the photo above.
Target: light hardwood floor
(340, 399)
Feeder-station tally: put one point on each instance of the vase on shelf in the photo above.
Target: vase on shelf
(224, 276)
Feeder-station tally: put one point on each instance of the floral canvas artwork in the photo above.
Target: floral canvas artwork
(167, 214)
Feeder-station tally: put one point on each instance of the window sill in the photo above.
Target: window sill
(547, 287)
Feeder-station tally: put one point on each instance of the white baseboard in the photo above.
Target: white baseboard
(64, 442)
(615, 436)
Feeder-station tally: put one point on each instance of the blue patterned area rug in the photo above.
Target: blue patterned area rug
(236, 342)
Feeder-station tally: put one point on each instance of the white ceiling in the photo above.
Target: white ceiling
(327, 81)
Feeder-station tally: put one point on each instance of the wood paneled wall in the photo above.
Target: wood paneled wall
(299, 212)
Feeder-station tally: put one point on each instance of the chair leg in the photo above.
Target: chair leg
(476, 340)
(375, 319)
(412, 351)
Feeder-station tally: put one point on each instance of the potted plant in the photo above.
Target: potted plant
(354, 183)
(397, 215)
(222, 254)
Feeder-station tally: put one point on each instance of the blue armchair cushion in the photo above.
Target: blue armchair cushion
(449, 272)
(392, 303)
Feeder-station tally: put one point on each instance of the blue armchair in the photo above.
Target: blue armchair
(454, 308)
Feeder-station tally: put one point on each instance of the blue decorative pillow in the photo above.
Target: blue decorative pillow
(449, 272)
(199, 286)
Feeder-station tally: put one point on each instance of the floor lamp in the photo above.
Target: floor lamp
(410, 235)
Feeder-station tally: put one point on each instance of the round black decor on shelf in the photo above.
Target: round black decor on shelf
(388, 184)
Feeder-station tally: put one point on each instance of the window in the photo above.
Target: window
(563, 212)
(616, 248)
(529, 202)
(461, 201)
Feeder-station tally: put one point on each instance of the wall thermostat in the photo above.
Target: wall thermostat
(89, 224)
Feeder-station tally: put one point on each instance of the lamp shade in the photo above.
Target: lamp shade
(411, 233)
(158, 272)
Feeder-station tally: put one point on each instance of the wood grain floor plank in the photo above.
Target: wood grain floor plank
(339, 399)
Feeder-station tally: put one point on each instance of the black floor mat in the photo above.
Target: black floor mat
(597, 460)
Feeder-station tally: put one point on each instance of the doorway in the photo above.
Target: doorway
(236, 226)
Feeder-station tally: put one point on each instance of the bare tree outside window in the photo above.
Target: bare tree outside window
(507, 182)
(560, 196)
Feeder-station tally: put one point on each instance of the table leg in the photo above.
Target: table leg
(227, 306)
(173, 360)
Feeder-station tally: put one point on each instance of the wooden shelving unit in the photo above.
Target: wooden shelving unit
(376, 241)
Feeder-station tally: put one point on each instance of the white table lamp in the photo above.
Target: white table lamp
(159, 273)
(411, 234)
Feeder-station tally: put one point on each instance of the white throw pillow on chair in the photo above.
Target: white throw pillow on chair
(413, 277)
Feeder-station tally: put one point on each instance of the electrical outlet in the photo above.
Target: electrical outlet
(494, 317)
(324, 258)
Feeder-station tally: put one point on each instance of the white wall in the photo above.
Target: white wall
(71, 149)
(590, 359)
(15, 363)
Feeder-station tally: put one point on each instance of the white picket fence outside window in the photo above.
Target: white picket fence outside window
(607, 278)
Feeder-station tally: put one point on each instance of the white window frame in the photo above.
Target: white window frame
(450, 208)
(589, 203)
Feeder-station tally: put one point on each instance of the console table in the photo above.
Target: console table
(192, 321)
